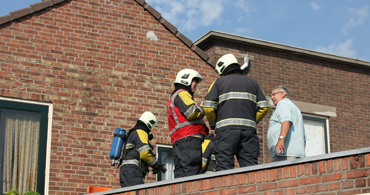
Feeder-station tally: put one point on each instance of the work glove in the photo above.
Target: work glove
(158, 167)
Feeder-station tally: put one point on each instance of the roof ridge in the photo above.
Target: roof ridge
(158, 16)
(177, 33)
(28, 10)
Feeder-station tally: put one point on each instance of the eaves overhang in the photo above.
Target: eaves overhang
(211, 36)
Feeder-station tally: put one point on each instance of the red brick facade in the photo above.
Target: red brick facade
(311, 77)
(93, 62)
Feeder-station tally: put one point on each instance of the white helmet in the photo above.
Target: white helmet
(224, 62)
(149, 119)
(186, 76)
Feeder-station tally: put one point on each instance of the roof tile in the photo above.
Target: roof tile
(184, 39)
(57, 1)
(141, 2)
(4, 19)
(168, 25)
(200, 52)
(153, 11)
(40, 5)
(211, 62)
(20, 13)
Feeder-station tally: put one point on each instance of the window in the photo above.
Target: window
(23, 139)
(165, 157)
(316, 135)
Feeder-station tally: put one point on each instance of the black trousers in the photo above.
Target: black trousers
(187, 154)
(243, 143)
(130, 175)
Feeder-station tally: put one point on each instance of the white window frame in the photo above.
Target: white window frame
(158, 157)
(326, 127)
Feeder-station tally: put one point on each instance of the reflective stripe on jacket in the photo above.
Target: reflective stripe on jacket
(235, 101)
(179, 125)
(138, 148)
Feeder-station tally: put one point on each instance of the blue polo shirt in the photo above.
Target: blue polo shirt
(286, 110)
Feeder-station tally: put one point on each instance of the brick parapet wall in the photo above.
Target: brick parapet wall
(321, 175)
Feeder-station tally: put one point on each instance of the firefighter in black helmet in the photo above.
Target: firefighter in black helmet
(234, 105)
(138, 153)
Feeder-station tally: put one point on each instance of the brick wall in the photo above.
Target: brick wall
(93, 62)
(310, 79)
(331, 176)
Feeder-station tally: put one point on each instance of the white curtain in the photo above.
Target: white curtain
(167, 160)
(315, 135)
(20, 152)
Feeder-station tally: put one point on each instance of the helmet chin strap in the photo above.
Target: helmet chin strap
(179, 86)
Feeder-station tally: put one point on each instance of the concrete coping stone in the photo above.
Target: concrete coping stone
(239, 170)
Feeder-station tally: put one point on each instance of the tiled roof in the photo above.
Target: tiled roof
(49, 3)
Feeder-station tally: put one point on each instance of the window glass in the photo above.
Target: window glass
(316, 136)
(165, 157)
(23, 129)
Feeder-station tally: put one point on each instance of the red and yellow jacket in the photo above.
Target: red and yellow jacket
(185, 118)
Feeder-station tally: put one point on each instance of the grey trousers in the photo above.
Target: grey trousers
(187, 154)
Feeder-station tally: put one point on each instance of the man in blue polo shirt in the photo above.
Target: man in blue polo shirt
(286, 136)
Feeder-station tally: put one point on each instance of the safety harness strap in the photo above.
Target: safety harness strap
(121, 136)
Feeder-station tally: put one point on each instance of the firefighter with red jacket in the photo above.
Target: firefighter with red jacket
(186, 126)
(234, 105)
(138, 152)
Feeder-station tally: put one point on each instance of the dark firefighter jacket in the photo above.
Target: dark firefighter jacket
(235, 101)
(208, 158)
(138, 150)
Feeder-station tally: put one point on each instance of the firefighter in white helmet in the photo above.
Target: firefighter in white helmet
(138, 153)
(186, 126)
(209, 163)
(234, 105)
